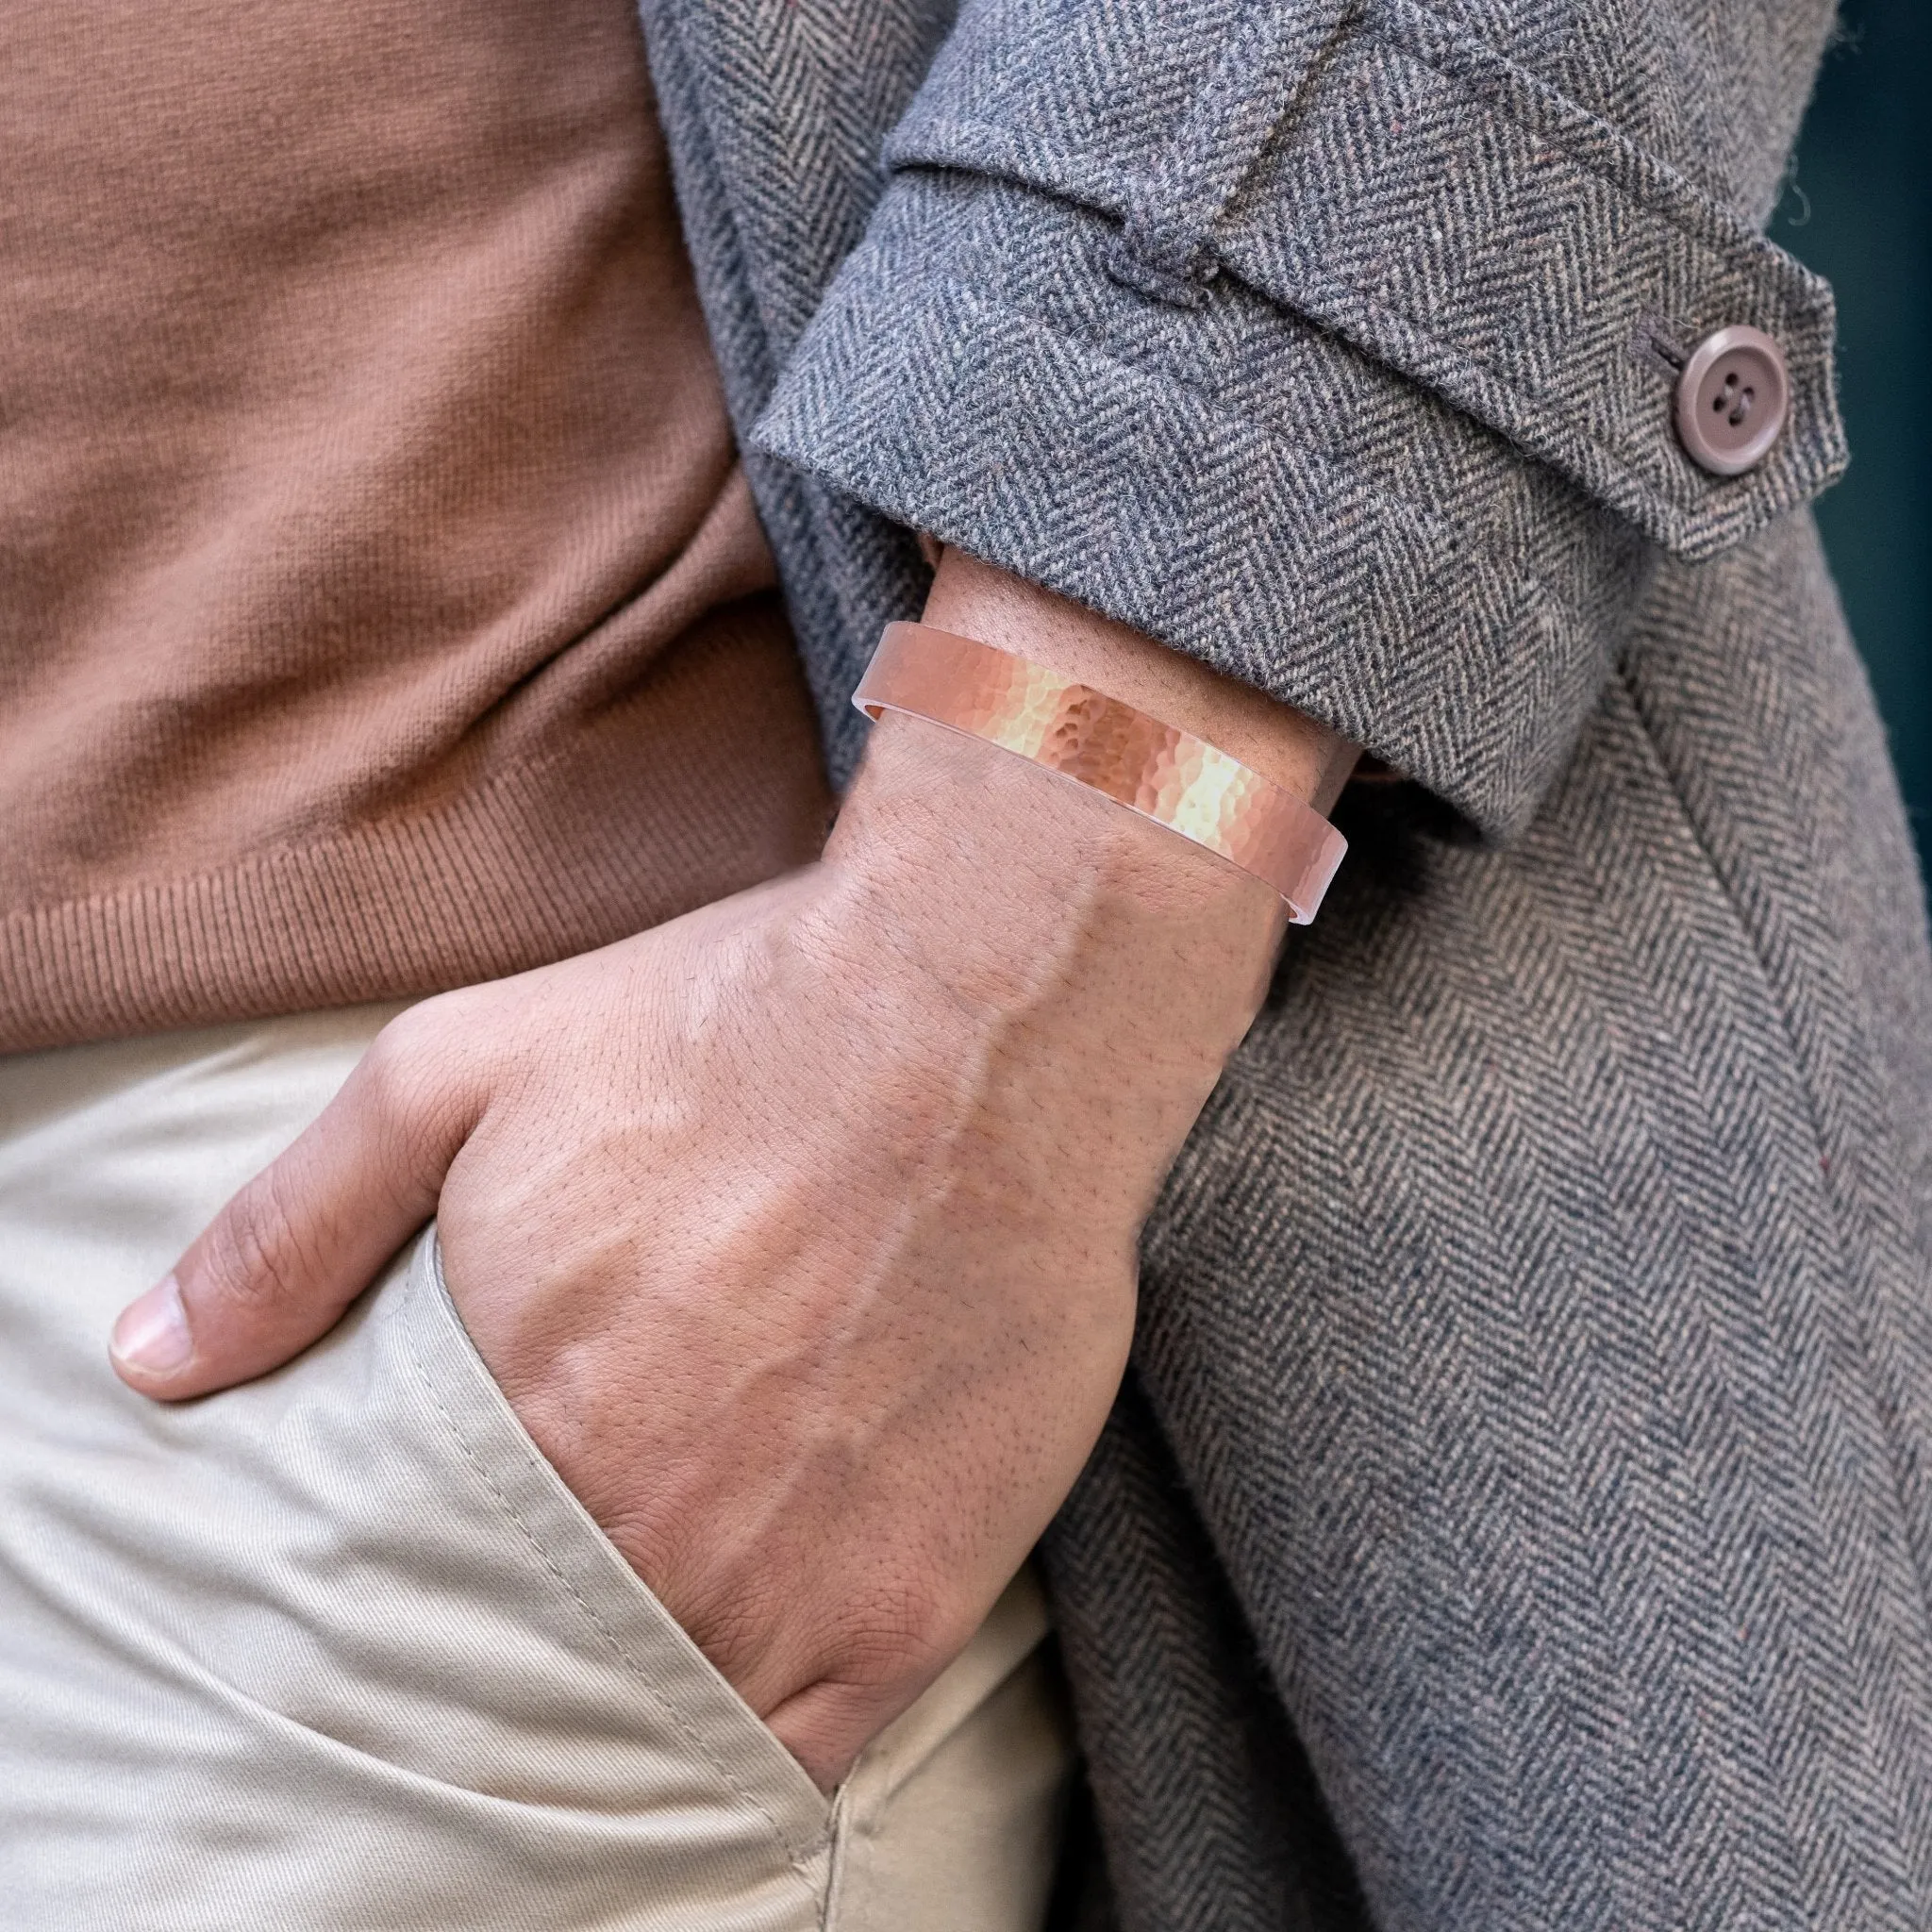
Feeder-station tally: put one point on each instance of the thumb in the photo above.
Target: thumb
(280, 1262)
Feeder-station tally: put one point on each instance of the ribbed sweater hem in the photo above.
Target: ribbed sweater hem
(587, 846)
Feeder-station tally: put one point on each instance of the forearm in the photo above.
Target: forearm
(1093, 970)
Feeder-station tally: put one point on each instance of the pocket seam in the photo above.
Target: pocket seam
(797, 1857)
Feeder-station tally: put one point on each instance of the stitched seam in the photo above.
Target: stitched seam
(1613, 455)
(921, 150)
(1716, 248)
(1413, 508)
(1813, 1113)
(1710, 212)
(1719, 242)
(795, 1857)
(1681, 495)
(1204, 169)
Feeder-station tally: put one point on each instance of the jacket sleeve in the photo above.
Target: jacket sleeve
(1333, 342)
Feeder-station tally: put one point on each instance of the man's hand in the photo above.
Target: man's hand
(800, 1231)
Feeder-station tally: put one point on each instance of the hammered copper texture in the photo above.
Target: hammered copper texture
(1170, 777)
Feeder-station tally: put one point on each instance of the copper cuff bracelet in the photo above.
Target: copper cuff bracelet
(1167, 775)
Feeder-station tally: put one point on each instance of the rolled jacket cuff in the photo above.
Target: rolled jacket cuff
(1225, 478)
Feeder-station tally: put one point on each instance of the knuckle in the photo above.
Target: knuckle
(251, 1256)
(898, 1629)
(400, 1059)
(412, 1076)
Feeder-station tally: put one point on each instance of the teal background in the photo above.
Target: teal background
(1859, 210)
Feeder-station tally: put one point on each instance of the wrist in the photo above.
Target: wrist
(978, 858)
(1285, 747)
(1076, 963)
(1083, 972)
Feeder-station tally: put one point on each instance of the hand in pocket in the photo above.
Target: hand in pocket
(799, 1231)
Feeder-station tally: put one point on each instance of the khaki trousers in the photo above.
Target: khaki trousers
(340, 1650)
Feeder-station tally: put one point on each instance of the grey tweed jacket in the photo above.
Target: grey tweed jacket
(1519, 1515)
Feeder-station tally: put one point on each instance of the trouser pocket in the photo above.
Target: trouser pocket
(339, 1649)
(948, 1821)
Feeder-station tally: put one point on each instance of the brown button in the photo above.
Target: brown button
(1733, 400)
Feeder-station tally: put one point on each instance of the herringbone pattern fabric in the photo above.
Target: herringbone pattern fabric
(1519, 1516)
(1541, 1318)
(1408, 185)
(775, 112)
(1371, 254)
(1455, 633)
(1215, 1818)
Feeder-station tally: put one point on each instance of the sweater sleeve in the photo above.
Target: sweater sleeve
(1333, 342)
